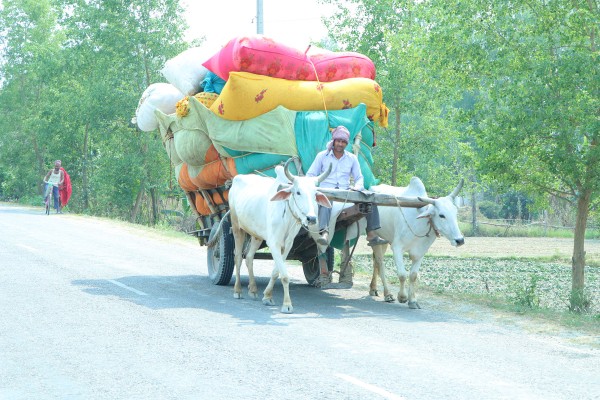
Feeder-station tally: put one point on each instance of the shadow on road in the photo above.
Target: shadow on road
(198, 292)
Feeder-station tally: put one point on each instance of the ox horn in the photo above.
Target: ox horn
(324, 175)
(286, 170)
(457, 188)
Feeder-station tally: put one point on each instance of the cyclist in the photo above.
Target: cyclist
(55, 178)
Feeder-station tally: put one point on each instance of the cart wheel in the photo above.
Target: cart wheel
(311, 266)
(220, 259)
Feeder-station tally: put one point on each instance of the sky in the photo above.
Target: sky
(292, 22)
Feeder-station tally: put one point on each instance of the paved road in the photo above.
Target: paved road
(97, 310)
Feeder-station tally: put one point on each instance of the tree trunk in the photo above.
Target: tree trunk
(38, 154)
(579, 302)
(138, 204)
(396, 146)
(474, 212)
(84, 169)
(154, 197)
(40, 161)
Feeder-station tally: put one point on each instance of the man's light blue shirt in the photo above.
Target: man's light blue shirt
(341, 170)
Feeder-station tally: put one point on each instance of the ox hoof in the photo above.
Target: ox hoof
(268, 302)
(402, 299)
(373, 292)
(389, 298)
(413, 305)
(287, 309)
(237, 295)
(253, 296)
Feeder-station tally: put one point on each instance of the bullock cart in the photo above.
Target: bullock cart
(252, 124)
(220, 254)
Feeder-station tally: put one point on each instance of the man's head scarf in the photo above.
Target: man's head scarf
(339, 133)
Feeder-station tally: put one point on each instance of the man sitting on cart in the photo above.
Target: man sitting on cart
(344, 165)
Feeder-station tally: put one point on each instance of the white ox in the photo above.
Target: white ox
(259, 209)
(414, 231)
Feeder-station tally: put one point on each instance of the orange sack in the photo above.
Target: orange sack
(201, 205)
(213, 174)
(184, 179)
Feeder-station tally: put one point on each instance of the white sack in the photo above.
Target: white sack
(161, 96)
(185, 71)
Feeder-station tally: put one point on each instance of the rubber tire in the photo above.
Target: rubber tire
(311, 267)
(220, 257)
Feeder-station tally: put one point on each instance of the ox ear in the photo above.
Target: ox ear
(282, 194)
(426, 214)
(322, 200)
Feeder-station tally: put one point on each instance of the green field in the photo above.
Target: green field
(520, 285)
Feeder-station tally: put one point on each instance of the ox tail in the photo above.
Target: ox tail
(215, 237)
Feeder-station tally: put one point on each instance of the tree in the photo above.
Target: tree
(116, 50)
(553, 122)
(29, 44)
(420, 140)
(532, 71)
(536, 67)
(71, 76)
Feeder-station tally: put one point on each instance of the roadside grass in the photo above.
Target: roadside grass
(538, 288)
(524, 230)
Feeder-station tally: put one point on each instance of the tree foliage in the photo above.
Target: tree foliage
(73, 72)
(506, 92)
(394, 34)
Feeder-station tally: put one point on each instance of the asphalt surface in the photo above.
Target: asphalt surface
(92, 309)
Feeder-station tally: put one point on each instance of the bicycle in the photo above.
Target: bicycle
(48, 194)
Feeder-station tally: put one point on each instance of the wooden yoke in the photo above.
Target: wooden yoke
(381, 199)
(353, 196)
